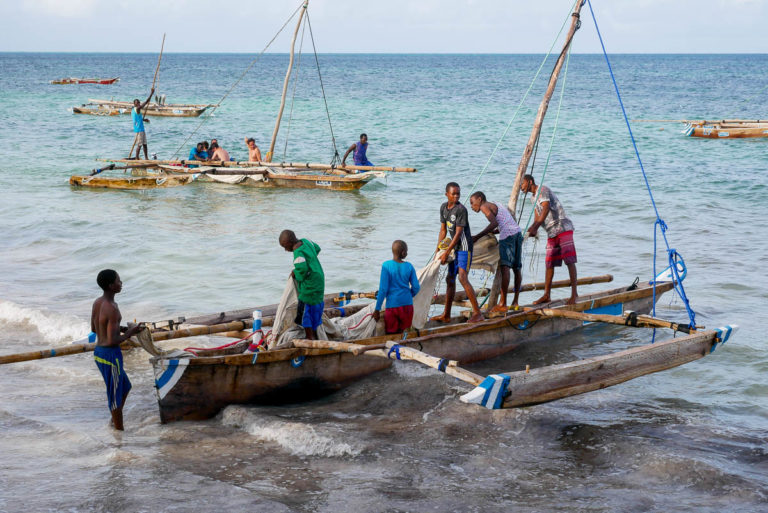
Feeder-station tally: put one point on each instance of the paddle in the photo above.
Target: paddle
(154, 80)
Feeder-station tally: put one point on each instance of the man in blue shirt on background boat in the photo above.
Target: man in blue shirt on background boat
(358, 156)
(398, 284)
(140, 137)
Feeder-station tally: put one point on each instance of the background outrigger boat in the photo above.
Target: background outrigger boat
(726, 128)
(71, 80)
(718, 129)
(265, 173)
(116, 108)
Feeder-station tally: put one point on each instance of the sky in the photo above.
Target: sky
(383, 26)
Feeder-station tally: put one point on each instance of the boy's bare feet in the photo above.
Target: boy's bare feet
(440, 318)
(478, 317)
(542, 299)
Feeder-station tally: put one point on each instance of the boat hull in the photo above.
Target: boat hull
(106, 110)
(131, 182)
(307, 181)
(729, 131)
(99, 81)
(199, 388)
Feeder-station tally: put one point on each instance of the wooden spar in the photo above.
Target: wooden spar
(638, 321)
(285, 84)
(345, 347)
(450, 367)
(55, 351)
(702, 121)
(523, 167)
(573, 378)
(154, 80)
(245, 163)
(587, 280)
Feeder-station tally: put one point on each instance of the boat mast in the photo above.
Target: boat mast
(523, 167)
(285, 85)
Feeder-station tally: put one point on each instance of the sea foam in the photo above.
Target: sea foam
(298, 438)
(54, 327)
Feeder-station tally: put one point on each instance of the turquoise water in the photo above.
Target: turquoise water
(691, 439)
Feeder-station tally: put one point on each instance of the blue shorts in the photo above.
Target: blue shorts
(310, 316)
(462, 261)
(109, 360)
(511, 251)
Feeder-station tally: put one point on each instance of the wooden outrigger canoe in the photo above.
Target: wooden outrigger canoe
(153, 181)
(198, 388)
(727, 129)
(115, 108)
(72, 80)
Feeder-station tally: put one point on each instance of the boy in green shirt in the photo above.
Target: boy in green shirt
(310, 281)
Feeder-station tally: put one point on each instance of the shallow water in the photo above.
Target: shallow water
(690, 439)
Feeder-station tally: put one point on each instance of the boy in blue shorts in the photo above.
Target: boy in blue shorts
(398, 285)
(454, 220)
(105, 322)
(310, 281)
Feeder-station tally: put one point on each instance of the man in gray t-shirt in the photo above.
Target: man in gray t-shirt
(549, 212)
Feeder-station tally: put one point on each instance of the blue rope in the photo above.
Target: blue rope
(660, 225)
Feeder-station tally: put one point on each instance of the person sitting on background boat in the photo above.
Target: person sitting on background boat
(105, 322)
(254, 154)
(454, 220)
(359, 149)
(206, 153)
(398, 284)
(218, 153)
(560, 247)
(510, 244)
(140, 135)
(310, 281)
(197, 153)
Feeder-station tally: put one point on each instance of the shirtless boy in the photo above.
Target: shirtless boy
(105, 322)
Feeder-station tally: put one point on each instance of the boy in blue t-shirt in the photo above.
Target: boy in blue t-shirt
(398, 285)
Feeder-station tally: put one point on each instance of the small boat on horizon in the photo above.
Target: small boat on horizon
(73, 80)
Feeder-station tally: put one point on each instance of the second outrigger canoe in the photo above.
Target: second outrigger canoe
(727, 129)
(117, 108)
(72, 80)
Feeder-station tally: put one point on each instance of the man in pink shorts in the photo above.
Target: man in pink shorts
(560, 248)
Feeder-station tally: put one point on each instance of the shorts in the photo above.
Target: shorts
(398, 319)
(561, 249)
(511, 251)
(310, 316)
(462, 261)
(109, 360)
(141, 138)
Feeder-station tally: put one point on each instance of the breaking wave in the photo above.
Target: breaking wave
(54, 327)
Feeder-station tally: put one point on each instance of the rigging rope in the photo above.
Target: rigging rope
(673, 256)
(253, 62)
(293, 96)
(519, 105)
(336, 157)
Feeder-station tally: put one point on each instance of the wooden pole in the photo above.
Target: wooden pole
(285, 84)
(264, 163)
(154, 80)
(523, 167)
(638, 321)
(53, 352)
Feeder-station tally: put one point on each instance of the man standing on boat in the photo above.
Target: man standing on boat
(510, 244)
(454, 220)
(254, 154)
(140, 136)
(105, 322)
(560, 247)
(310, 281)
(359, 148)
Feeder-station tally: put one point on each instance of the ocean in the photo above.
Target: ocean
(689, 439)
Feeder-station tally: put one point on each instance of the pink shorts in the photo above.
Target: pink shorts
(561, 249)
(398, 319)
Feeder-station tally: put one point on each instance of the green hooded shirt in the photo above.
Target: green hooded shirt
(308, 273)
